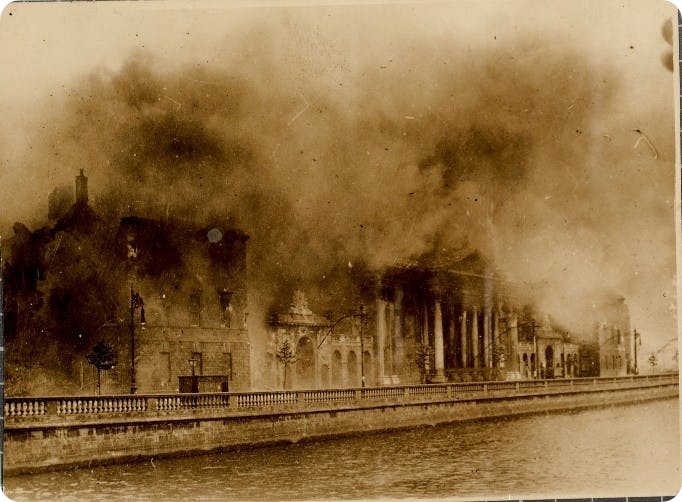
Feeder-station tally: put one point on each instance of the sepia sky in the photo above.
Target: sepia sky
(382, 130)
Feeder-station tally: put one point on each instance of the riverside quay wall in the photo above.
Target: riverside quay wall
(62, 432)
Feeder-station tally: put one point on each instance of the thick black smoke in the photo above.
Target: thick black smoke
(429, 153)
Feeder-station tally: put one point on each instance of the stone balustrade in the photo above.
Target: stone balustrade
(28, 409)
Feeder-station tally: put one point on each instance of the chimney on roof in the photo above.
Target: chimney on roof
(81, 188)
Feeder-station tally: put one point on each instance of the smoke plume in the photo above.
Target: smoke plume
(384, 161)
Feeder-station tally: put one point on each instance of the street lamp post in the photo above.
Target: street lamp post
(195, 383)
(362, 346)
(535, 348)
(135, 303)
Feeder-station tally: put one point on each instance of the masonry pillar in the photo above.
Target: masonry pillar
(487, 339)
(388, 357)
(496, 336)
(381, 336)
(474, 338)
(438, 341)
(514, 345)
(451, 335)
(318, 367)
(425, 325)
(463, 340)
(398, 347)
(344, 370)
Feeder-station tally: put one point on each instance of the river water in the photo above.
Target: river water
(619, 451)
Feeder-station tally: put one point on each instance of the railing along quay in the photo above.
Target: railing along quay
(24, 408)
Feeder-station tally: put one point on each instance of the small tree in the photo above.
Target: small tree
(286, 356)
(423, 355)
(102, 357)
(653, 362)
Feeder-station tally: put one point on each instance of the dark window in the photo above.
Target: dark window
(225, 298)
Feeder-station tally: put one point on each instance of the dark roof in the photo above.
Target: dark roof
(79, 218)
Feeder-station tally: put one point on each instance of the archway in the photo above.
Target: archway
(336, 369)
(549, 362)
(524, 368)
(305, 364)
(352, 363)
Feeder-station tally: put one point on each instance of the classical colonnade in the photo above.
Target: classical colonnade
(463, 336)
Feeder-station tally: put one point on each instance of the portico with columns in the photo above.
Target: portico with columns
(445, 325)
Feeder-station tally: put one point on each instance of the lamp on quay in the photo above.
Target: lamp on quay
(195, 382)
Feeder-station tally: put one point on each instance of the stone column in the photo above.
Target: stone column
(438, 342)
(398, 347)
(318, 366)
(452, 329)
(388, 359)
(344, 370)
(487, 339)
(496, 334)
(425, 326)
(463, 340)
(514, 343)
(474, 338)
(381, 338)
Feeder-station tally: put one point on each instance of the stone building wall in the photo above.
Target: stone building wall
(327, 352)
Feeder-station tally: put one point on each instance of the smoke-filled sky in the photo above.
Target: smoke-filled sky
(539, 132)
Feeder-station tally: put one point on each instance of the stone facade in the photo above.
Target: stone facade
(546, 353)
(327, 350)
(196, 317)
(472, 326)
(443, 324)
(180, 289)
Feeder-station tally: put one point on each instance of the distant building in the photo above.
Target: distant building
(557, 357)
(613, 336)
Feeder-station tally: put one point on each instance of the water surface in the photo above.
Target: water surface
(625, 450)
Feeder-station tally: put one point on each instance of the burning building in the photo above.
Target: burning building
(169, 297)
(463, 322)
(454, 323)
(192, 283)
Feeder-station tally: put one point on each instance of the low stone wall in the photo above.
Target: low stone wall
(49, 440)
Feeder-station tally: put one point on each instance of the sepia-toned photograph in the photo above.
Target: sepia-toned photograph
(334, 250)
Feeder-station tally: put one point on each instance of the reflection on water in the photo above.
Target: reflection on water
(626, 450)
